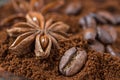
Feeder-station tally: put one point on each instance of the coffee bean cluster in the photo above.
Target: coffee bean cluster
(99, 31)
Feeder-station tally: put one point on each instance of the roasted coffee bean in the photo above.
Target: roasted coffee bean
(89, 34)
(104, 36)
(98, 18)
(72, 61)
(97, 46)
(87, 22)
(73, 8)
(106, 15)
(90, 21)
(117, 18)
(111, 30)
(82, 22)
(110, 50)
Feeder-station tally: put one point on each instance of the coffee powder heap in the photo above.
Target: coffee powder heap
(98, 65)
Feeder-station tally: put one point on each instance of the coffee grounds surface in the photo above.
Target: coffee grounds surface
(99, 66)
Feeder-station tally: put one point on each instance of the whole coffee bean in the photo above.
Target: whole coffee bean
(110, 50)
(82, 22)
(98, 18)
(106, 15)
(90, 21)
(89, 34)
(104, 36)
(111, 30)
(72, 61)
(117, 18)
(97, 46)
(73, 8)
(87, 22)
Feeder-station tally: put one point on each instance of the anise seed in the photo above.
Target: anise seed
(44, 41)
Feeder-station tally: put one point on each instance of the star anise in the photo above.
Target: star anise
(22, 7)
(45, 34)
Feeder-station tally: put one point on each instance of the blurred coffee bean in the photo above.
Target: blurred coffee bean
(111, 30)
(104, 36)
(97, 46)
(82, 22)
(87, 22)
(90, 21)
(110, 50)
(98, 18)
(117, 18)
(72, 61)
(89, 34)
(106, 15)
(73, 8)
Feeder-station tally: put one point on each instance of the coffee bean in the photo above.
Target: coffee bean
(73, 8)
(90, 21)
(117, 18)
(110, 50)
(107, 16)
(111, 30)
(87, 22)
(72, 61)
(89, 34)
(104, 36)
(82, 22)
(97, 46)
(98, 18)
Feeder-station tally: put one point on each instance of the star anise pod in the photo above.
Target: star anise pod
(22, 7)
(44, 33)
